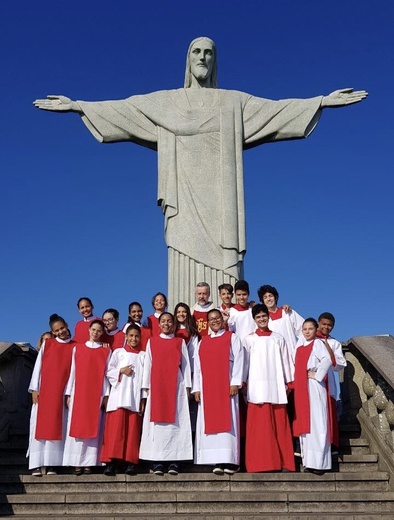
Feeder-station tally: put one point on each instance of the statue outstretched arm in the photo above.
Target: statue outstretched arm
(343, 97)
(58, 104)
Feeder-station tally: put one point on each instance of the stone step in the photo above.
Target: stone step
(194, 502)
(252, 516)
(241, 482)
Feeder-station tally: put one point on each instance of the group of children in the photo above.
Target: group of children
(114, 395)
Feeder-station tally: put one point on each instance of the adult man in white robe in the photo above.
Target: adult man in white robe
(218, 369)
(200, 133)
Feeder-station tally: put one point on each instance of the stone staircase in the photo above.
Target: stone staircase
(355, 489)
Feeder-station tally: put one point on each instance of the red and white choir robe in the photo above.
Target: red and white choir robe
(114, 338)
(166, 432)
(268, 370)
(241, 321)
(48, 419)
(153, 324)
(288, 325)
(333, 381)
(199, 313)
(87, 386)
(218, 363)
(145, 333)
(313, 428)
(81, 332)
(122, 433)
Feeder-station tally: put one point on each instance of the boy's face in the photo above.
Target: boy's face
(325, 326)
(226, 296)
(261, 320)
(269, 300)
(241, 297)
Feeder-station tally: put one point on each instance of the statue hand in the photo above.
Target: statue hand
(343, 97)
(57, 104)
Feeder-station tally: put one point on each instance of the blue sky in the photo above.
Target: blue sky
(80, 218)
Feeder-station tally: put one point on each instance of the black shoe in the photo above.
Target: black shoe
(51, 471)
(130, 470)
(174, 469)
(157, 469)
(230, 469)
(110, 470)
(318, 472)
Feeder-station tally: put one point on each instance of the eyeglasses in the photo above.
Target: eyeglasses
(218, 318)
(110, 320)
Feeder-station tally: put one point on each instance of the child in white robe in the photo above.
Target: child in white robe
(122, 433)
(311, 422)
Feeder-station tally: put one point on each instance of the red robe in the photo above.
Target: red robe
(90, 365)
(55, 371)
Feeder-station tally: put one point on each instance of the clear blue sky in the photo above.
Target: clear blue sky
(80, 218)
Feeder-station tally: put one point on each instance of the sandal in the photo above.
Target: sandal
(78, 471)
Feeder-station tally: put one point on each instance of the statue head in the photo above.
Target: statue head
(201, 65)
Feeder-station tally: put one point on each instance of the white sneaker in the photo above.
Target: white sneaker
(51, 471)
(37, 472)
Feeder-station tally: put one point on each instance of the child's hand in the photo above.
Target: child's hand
(34, 396)
(197, 397)
(311, 375)
(127, 371)
(286, 308)
(233, 390)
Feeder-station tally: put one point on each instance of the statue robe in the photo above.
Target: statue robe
(200, 135)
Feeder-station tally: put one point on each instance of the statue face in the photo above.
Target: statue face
(201, 59)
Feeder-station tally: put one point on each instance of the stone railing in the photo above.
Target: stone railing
(369, 393)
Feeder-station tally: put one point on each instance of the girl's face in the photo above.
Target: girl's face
(133, 338)
(181, 315)
(166, 324)
(109, 321)
(135, 313)
(60, 330)
(159, 304)
(309, 331)
(95, 332)
(85, 308)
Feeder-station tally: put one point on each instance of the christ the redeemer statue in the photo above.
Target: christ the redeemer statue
(200, 132)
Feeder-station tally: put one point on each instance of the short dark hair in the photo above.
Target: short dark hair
(259, 307)
(97, 322)
(311, 320)
(133, 326)
(241, 285)
(327, 316)
(53, 318)
(213, 310)
(267, 289)
(226, 286)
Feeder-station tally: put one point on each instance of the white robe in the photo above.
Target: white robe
(268, 368)
(333, 373)
(316, 445)
(290, 327)
(84, 452)
(125, 390)
(241, 322)
(168, 441)
(41, 452)
(219, 448)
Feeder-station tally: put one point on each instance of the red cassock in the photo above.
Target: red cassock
(55, 371)
(166, 359)
(214, 355)
(90, 365)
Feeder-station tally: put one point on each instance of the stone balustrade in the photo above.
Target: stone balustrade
(368, 393)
